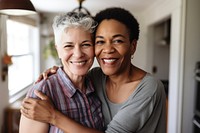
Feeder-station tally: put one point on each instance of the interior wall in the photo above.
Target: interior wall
(3, 84)
(191, 56)
(155, 13)
(160, 67)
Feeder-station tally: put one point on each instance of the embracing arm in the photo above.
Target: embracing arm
(69, 125)
(48, 114)
(47, 73)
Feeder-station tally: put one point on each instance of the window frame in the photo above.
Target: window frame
(35, 54)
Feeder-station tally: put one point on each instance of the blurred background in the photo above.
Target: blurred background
(168, 47)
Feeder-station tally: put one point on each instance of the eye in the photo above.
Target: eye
(68, 46)
(118, 41)
(86, 45)
(99, 42)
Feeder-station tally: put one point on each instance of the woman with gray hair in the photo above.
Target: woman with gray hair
(133, 101)
(70, 89)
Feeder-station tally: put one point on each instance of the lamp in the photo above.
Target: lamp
(81, 8)
(17, 7)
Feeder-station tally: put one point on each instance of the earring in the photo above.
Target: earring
(132, 56)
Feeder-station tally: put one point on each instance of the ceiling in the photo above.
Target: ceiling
(56, 6)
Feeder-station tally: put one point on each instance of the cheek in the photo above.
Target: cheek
(97, 50)
(64, 55)
(92, 51)
(89, 52)
(124, 50)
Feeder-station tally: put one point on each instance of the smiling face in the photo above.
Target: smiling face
(113, 48)
(76, 51)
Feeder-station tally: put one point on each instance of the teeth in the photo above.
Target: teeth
(79, 63)
(109, 60)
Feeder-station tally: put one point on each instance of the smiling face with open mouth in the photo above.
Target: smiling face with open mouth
(113, 48)
(76, 51)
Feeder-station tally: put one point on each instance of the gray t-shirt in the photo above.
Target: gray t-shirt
(143, 112)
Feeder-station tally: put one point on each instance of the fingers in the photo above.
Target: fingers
(26, 106)
(40, 95)
(24, 110)
(39, 79)
(49, 72)
(46, 73)
(54, 69)
(27, 113)
(27, 103)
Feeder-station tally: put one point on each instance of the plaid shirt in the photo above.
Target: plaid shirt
(83, 108)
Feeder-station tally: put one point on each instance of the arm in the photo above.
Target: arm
(31, 126)
(47, 73)
(47, 113)
(35, 126)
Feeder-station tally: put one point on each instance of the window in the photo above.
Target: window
(21, 44)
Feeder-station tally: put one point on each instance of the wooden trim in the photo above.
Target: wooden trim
(24, 19)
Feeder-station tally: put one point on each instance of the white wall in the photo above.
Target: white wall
(155, 13)
(191, 56)
(184, 53)
(3, 84)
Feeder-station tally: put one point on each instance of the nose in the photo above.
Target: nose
(77, 52)
(108, 48)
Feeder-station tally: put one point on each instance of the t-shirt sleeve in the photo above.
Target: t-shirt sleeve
(41, 86)
(144, 107)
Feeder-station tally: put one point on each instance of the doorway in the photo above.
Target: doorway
(161, 51)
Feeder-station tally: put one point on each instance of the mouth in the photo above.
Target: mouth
(79, 63)
(109, 60)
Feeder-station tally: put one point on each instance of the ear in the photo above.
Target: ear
(133, 46)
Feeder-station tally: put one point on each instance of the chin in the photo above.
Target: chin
(108, 72)
(81, 73)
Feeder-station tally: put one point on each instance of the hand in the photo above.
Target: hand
(47, 73)
(38, 109)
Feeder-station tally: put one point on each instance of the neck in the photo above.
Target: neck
(130, 75)
(123, 77)
(77, 80)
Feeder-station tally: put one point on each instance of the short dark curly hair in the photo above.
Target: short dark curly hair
(122, 16)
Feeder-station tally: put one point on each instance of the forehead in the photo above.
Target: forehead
(111, 26)
(76, 31)
(76, 35)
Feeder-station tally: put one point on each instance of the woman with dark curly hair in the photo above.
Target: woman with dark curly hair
(133, 101)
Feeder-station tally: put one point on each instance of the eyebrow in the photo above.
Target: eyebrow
(99, 37)
(117, 35)
(86, 41)
(67, 43)
(81, 42)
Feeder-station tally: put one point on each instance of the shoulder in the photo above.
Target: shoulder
(150, 84)
(43, 86)
(95, 72)
(149, 89)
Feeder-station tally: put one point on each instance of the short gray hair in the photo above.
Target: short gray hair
(72, 20)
